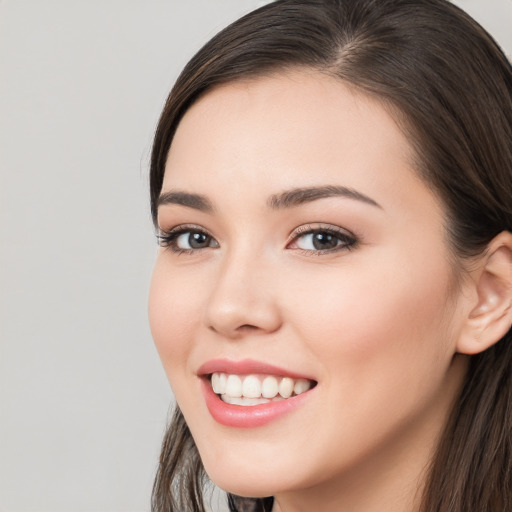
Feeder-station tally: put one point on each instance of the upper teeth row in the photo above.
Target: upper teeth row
(253, 386)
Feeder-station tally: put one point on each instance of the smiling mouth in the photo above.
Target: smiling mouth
(251, 390)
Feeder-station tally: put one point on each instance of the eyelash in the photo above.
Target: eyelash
(168, 239)
(348, 240)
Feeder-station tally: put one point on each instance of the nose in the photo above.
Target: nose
(243, 299)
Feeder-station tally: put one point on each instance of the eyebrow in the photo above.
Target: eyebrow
(298, 196)
(283, 200)
(195, 201)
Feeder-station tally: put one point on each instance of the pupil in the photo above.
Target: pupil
(198, 240)
(324, 241)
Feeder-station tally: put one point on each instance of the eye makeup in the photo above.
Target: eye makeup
(322, 239)
(310, 239)
(186, 239)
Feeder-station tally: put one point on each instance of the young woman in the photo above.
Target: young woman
(331, 183)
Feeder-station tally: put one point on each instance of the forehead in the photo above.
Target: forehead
(300, 128)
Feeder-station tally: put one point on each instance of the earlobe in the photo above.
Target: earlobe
(490, 316)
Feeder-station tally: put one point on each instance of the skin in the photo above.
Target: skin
(376, 324)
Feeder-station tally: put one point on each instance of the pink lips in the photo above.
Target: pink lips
(252, 416)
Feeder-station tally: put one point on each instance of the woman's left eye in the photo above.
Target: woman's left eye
(322, 240)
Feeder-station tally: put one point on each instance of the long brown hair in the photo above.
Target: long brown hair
(449, 87)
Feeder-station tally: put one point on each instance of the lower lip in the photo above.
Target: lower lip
(248, 416)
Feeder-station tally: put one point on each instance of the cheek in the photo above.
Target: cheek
(383, 347)
(173, 312)
(371, 320)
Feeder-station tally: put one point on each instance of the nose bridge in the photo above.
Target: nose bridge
(243, 295)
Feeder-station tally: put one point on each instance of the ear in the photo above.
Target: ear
(490, 316)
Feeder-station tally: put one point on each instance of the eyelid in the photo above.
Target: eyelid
(181, 227)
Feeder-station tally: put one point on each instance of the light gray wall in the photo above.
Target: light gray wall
(83, 400)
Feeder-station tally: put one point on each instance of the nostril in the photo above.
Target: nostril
(247, 327)
(240, 329)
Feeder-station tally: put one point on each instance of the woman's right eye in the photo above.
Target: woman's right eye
(186, 240)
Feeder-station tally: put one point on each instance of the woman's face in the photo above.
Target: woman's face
(299, 247)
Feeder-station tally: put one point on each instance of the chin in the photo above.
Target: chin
(247, 486)
(245, 477)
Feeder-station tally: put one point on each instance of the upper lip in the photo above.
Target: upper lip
(246, 367)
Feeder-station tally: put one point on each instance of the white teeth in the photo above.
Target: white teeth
(256, 389)
(301, 386)
(219, 383)
(251, 387)
(244, 401)
(234, 386)
(286, 387)
(215, 383)
(269, 387)
(223, 378)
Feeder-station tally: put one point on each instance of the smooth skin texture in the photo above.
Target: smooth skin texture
(375, 319)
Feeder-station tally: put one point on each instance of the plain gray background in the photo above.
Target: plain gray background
(83, 399)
